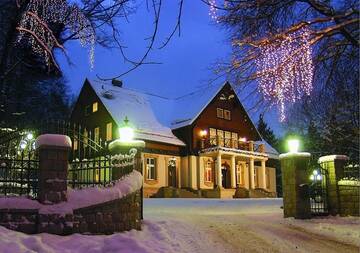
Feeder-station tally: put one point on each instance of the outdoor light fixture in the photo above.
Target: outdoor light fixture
(29, 136)
(203, 133)
(23, 145)
(126, 132)
(315, 176)
(293, 145)
(242, 139)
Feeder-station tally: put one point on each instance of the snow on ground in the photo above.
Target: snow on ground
(205, 225)
(79, 198)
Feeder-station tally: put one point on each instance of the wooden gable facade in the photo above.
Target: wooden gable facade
(237, 121)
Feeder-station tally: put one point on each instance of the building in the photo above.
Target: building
(201, 142)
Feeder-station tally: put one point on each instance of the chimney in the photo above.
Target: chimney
(117, 83)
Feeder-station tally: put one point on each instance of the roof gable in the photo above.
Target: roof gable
(122, 102)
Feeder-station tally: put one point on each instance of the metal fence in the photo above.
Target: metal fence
(352, 171)
(19, 176)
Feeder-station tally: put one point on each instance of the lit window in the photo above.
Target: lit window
(227, 139)
(219, 113)
(109, 131)
(151, 168)
(234, 137)
(95, 107)
(227, 115)
(212, 134)
(208, 172)
(97, 134)
(220, 135)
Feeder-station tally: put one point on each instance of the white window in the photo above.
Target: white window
(109, 131)
(151, 168)
(97, 134)
(227, 114)
(219, 113)
(208, 172)
(95, 107)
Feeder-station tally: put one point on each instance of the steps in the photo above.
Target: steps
(171, 192)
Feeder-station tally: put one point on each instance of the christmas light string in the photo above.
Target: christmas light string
(33, 27)
(285, 68)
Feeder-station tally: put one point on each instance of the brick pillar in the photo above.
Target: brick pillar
(53, 150)
(294, 182)
(334, 165)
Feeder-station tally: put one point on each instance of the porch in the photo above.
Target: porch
(234, 167)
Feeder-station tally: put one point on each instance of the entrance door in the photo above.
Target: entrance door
(225, 175)
(172, 173)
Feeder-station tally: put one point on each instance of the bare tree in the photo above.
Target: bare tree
(261, 31)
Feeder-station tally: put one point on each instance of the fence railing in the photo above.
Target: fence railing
(95, 171)
(352, 171)
(232, 143)
(19, 177)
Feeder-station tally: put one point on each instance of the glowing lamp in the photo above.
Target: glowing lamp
(203, 133)
(243, 139)
(312, 177)
(22, 145)
(126, 132)
(29, 136)
(293, 146)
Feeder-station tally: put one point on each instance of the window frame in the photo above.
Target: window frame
(208, 177)
(87, 110)
(97, 134)
(109, 131)
(148, 167)
(227, 112)
(95, 107)
(219, 113)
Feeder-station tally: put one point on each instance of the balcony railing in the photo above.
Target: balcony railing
(218, 141)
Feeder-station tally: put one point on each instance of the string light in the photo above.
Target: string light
(286, 69)
(212, 10)
(33, 27)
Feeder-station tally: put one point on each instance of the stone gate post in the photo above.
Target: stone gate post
(295, 184)
(53, 151)
(334, 165)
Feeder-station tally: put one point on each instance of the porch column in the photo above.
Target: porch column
(218, 171)
(262, 175)
(251, 174)
(233, 171)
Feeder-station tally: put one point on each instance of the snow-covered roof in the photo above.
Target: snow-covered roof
(123, 102)
(269, 150)
(154, 116)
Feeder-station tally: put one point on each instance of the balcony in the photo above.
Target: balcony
(218, 143)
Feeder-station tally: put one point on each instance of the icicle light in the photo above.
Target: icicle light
(39, 14)
(285, 68)
(212, 10)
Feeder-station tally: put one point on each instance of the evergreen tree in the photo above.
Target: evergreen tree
(265, 131)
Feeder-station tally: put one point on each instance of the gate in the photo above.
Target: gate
(318, 192)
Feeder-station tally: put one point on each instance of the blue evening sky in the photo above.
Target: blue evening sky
(185, 61)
